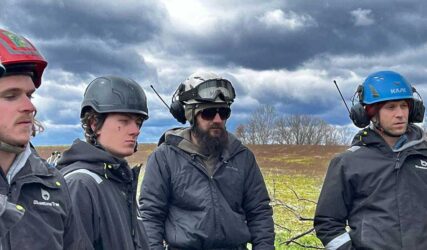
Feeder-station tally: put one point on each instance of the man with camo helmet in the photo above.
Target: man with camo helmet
(202, 188)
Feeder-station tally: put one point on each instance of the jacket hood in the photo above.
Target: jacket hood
(369, 137)
(180, 137)
(85, 152)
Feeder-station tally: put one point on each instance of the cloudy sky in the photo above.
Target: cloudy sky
(282, 53)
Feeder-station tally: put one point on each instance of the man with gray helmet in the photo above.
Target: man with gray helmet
(35, 206)
(373, 196)
(202, 189)
(102, 184)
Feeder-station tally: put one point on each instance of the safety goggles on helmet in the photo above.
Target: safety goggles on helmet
(210, 113)
(210, 90)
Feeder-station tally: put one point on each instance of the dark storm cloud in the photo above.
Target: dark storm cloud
(97, 58)
(129, 23)
(88, 37)
(331, 27)
(282, 53)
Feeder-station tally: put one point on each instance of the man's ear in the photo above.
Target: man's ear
(376, 117)
(92, 123)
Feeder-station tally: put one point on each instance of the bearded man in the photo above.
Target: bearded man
(202, 188)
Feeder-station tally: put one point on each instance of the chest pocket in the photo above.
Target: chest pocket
(230, 181)
(416, 169)
(189, 184)
(44, 217)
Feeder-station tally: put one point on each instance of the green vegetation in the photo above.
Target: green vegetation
(293, 200)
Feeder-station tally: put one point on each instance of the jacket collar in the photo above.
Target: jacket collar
(414, 137)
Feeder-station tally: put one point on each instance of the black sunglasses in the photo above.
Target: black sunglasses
(210, 113)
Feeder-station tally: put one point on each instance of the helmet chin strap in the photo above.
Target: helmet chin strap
(11, 148)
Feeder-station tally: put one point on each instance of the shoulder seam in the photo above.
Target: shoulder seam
(353, 148)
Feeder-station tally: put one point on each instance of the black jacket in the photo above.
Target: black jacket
(103, 188)
(49, 221)
(380, 192)
(183, 205)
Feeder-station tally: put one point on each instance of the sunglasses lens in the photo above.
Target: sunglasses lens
(224, 113)
(209, 114)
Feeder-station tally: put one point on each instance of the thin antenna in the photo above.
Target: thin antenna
(160, 97)
(342, 96)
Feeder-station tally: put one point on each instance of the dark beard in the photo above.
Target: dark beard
(210, 145)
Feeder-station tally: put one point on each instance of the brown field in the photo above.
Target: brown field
(281, 159)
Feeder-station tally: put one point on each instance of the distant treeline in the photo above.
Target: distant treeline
(266, 126)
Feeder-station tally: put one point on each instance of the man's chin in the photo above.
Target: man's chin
(397, 133)
(216, 133)
(18, 142)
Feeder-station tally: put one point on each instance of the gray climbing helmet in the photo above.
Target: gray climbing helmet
(112, 94)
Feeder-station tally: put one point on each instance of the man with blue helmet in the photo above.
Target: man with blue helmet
(373, 196)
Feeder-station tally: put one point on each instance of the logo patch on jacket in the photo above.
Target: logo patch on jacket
(423, 165)
(46, 197)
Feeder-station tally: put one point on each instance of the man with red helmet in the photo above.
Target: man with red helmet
(39, 193)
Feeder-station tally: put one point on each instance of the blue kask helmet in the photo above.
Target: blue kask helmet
(385, 86)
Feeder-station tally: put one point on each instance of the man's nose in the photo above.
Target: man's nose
(217, 118)
(134, 128)
(27, 105)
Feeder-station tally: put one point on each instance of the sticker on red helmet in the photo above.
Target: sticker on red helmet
(18, 41)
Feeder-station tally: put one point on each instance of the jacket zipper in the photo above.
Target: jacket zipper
(397, 167)
(200, 166)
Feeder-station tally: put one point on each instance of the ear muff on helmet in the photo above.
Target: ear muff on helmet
(177, 108)
(358, 114)
(416, 114)
(178, 112)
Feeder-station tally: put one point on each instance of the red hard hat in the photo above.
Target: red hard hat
(16, 51)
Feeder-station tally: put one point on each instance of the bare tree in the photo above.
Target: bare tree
(266, 127)
(261, 125)
(282, 134)
(241, 133)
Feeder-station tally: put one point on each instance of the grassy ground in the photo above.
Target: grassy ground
(293, 175)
